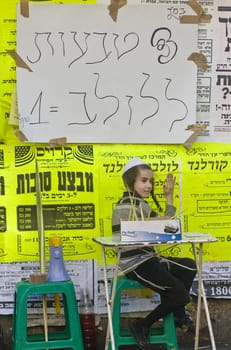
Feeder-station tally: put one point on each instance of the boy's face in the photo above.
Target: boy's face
(144, 182)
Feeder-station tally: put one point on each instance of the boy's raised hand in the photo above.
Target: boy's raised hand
(169, 188)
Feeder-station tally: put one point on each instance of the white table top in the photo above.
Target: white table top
(188, 237)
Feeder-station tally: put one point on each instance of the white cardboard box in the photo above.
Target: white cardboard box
(158, 230)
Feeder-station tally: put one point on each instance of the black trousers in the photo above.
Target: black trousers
(171, 281)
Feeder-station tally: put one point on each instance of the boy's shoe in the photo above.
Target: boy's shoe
(141, 335)
(185, 323)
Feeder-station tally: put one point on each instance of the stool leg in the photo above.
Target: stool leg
(20, 322)
(170, 332)
(72, 313)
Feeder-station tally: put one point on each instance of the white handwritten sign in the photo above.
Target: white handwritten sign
(94, 80)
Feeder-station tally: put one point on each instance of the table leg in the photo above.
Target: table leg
(110, 301)
(201, 294)
(199, 272)
(109, 312)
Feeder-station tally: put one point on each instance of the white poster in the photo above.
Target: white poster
(93, 80)
(80, 272)
(221, 91)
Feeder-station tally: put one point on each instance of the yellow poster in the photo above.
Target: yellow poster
(206, 195)
(196, 172)
(69, 196)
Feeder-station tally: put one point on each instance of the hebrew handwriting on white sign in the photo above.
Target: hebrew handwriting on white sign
(97, 81)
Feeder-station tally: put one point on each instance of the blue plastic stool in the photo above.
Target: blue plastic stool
(166, 334)
(70, 337)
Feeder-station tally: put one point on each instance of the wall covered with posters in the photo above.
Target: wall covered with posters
(80, 184)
